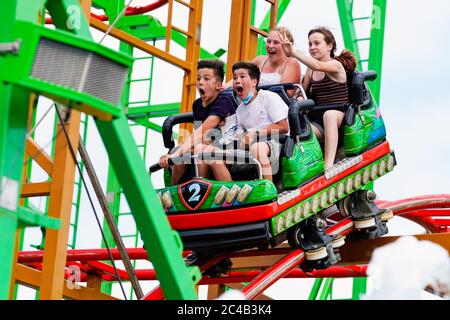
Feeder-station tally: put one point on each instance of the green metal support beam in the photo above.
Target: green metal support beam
(376, 39)
(327, 289)
(315, 289)
(31, 218)
(163, 245)
(359, 288)
(376, 45)
(155, 110)
(12, 147)
(14, 104)
(68, 15)
(345, 11)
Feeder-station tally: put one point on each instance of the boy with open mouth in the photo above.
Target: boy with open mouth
(262, 115)
(210, 111)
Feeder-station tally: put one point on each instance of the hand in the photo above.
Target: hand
(164, 161)
(247, 140)
(288, 46)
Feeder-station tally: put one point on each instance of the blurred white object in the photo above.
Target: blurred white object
(404, 268)
(232, 294)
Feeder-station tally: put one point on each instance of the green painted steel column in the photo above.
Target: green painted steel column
(8, 226)
(376, 45)
(315, 289)
(348, 28)
(112, 7)
(14, 104)
(68, 15)
(163, 245)
(376, 39)
(113, 188)
(327, 289)
(359, 288)
(12, 147)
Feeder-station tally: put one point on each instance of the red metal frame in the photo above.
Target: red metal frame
(425, 210)
(131, 11)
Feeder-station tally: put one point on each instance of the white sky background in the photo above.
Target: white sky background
(415, 103)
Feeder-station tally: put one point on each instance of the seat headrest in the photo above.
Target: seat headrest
(280, 89)
(358, 91)
(229, 92)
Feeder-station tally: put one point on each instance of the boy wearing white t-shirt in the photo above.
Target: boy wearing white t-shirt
(261, 114)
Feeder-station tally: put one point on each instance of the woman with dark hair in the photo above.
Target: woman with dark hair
(326, 78)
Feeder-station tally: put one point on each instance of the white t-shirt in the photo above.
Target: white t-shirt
(266, 109)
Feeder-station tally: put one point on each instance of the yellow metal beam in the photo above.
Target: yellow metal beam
(60, 202)
(140, 44)
(192, 56)
(243, 37)
(94, 282)
(169, 25)
(36, 189)
(32, 278)
(192, 50)
(235, 34)
(40, 156)
(60, 206)
(33, 146)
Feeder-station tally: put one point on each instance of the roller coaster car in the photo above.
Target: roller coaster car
(216, 216)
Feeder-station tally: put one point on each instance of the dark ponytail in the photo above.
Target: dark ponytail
(348, 60)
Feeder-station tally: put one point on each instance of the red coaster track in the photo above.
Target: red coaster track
(432, 212)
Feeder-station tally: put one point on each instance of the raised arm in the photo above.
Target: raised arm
(331, 66)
